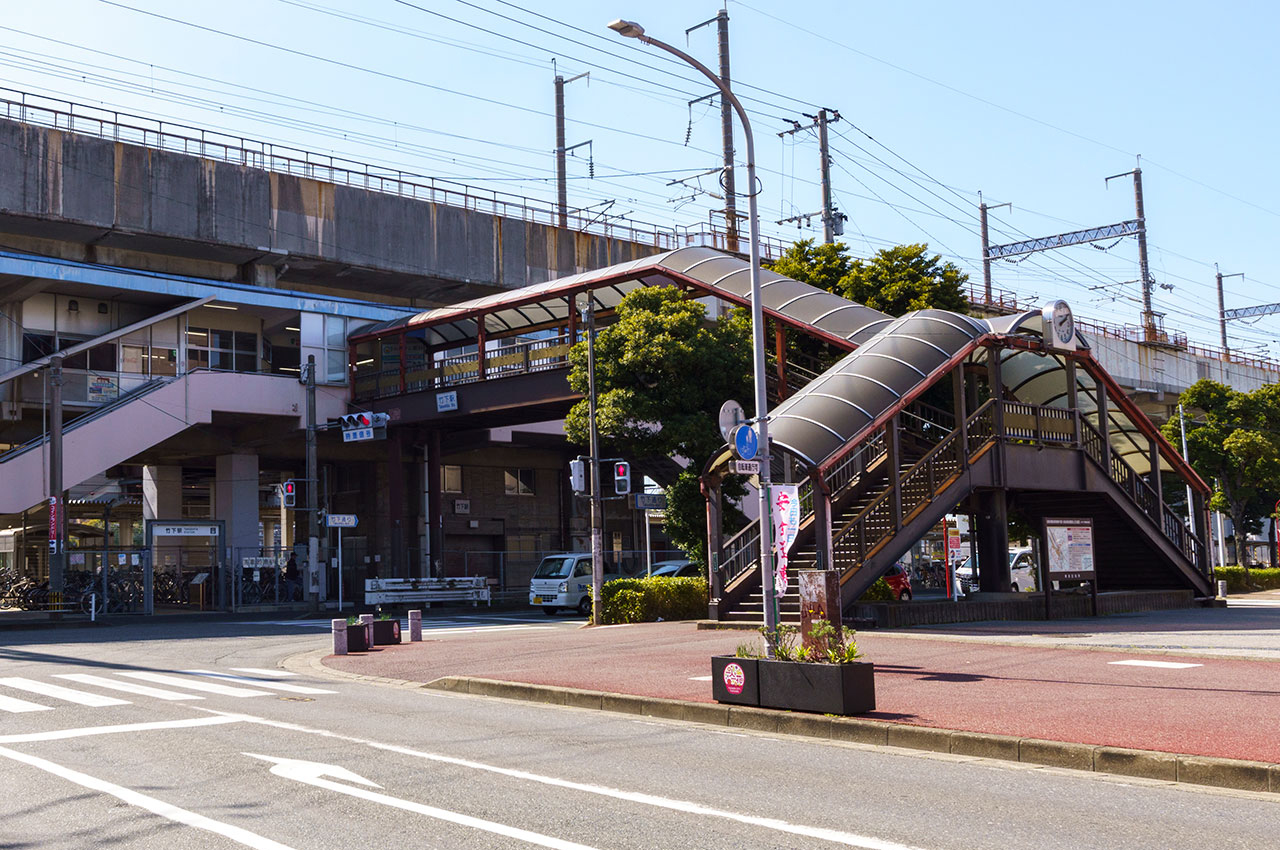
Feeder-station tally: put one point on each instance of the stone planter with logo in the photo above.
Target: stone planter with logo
(735, 680)
(841, 689)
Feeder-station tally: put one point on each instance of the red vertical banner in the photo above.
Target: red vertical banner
(53, 524)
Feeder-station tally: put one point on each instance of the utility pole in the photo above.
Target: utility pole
(1222, 310)
(726, 130)
(1150, 332)
(832, 219)
(562, 181)
(313, 502)
(597, 533)
(57, 502)
(986, 245)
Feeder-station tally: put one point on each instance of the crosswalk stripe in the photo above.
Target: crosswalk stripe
(16, 706)
(59, 692)
(270, 674)
(243, 680)
(194, 684)
(127, 687)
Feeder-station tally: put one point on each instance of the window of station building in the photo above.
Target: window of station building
(519, 482)
(450, 478)
(335, 349)
(229, 351)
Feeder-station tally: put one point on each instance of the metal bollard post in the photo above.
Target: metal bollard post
(93, 607)
(415, 626)
(340, 636)
(1222, 590)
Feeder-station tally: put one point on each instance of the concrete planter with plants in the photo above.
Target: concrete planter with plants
(822, 675)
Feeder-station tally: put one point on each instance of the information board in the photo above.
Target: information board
(1069, 543)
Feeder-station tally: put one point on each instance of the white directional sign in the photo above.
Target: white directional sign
(341, 520)
(355, 435)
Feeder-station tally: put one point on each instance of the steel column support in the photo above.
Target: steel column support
(893, 446)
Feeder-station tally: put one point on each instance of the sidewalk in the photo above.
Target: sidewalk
(1216, 692)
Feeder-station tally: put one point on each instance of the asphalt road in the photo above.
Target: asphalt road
(345, 763)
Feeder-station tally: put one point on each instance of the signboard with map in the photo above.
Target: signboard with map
(1069, 543)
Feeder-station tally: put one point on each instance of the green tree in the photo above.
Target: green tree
(904, 278)
(823, 266)
(1233, 438)
(662, 372)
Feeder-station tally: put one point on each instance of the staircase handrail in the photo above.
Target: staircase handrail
(1143, 496)
(741, 551)
(96, 413)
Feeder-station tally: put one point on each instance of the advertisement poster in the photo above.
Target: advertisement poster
(786, 523)
(102, 388)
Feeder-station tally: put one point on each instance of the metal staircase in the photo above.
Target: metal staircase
(899, 480)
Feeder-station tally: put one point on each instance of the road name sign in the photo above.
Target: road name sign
(651, 501)
(340, 520)
(746, 467)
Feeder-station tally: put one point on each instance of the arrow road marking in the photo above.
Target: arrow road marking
(313, 773)
(151, 804)
(866, 842)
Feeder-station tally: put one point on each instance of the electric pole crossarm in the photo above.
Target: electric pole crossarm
(1062, 240)
(1251, 312)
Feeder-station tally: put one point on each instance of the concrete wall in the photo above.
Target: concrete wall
(1158, 376)
(64, 186)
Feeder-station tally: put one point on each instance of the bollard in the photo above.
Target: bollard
(340, 636)
(366, 619)
(1222, 590)
(415, 626)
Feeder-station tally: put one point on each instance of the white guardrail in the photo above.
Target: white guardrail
(392, 591)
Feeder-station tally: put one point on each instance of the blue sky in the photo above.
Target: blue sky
(1030, 103)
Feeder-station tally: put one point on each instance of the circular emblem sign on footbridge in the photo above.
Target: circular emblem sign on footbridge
(745, 442)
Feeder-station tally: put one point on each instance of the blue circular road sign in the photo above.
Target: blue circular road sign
(745, 442)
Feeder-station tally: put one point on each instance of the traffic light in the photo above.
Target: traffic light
(364, 425)
(288, 493)
(621, 477)
(578, 475)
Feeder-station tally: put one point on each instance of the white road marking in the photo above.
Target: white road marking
(126, 687)
(270, 674)
(1164, 665)
(699, 678)
(59, 692)
(313, 773)
(484, 629)
(63, 734)
(16, 706)
(243, 680)
(864, 842)
(150, 804)
(194, 684)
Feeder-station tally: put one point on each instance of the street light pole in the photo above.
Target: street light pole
(597, 512)
(629, 29)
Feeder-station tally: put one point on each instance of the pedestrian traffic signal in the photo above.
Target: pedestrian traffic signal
(578, 475)
(621, 478)
(288, 493)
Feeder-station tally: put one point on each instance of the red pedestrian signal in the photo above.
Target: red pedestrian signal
(622, 478)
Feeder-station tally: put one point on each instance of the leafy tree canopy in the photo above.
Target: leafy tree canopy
(1233, 438)
(904, 278)
(662, 372)
(895, 281)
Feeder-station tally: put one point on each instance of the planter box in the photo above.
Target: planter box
(359, 637)
(385, 632)
(824, 688)
(735, 680)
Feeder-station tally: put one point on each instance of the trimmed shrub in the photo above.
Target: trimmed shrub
(878, 592)
(1259, 579)
(645, 600)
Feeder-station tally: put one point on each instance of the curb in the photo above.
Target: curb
(1235, 774)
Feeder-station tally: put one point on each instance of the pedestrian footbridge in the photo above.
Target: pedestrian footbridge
(902, 422)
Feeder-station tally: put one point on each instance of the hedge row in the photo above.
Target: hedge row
(1259, 579)
(645, 600)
